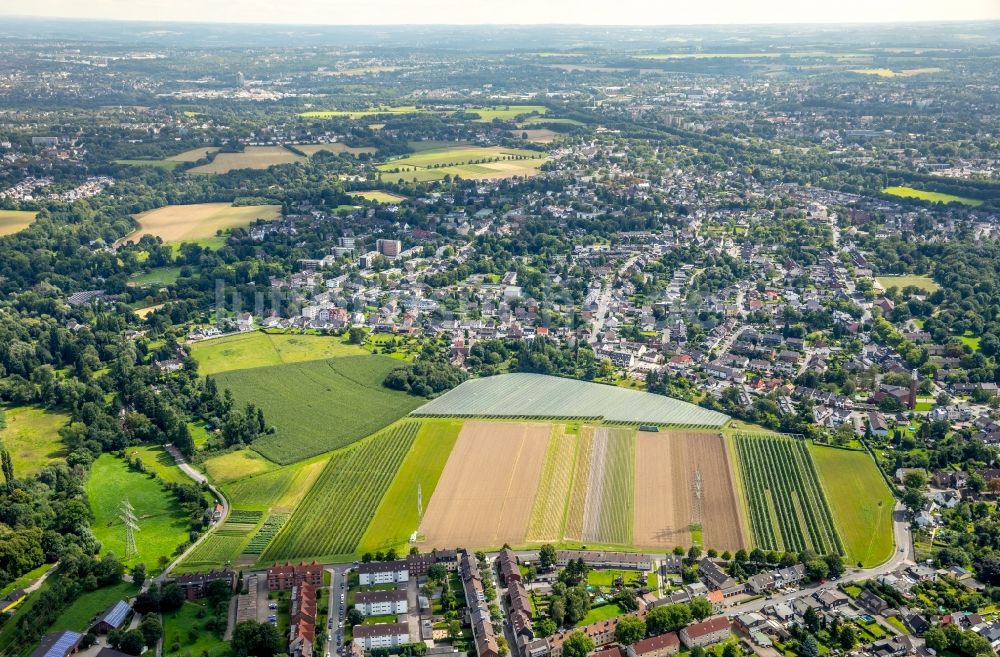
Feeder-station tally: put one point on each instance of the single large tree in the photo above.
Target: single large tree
(629, 630)
(253, 639)
(578, 644)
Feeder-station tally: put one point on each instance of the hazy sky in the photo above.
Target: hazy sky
(600, 12)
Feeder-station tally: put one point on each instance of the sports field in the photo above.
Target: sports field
(472, 162)
(32, 438)
(179, 223)
(252, 157)
(260, 349)
(14, 221)
(932, 197)
(320, 405)
(485, 494)
(925, 283)
(336, 147)
(162, 525)
(699, 491)
(396, 518)
(861, 502)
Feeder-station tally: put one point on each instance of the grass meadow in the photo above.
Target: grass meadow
(259, 349)
(379, 196)
(186, 223)
(925, 283)
(32, 438)
(14, 221)
(860, 501)
(931, 197)
(252, 157)
(81, 614)
(470, 162)
(321, 405)
(162, 525)
(336, 147)
(231, 466)
(158, 460)
(282, 488)
(187, 627)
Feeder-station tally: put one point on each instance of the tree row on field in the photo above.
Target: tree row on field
(787, 507)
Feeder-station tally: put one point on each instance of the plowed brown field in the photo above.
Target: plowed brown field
(665, 497)
(486, 492)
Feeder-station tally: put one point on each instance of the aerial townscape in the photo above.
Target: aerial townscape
(537, 340)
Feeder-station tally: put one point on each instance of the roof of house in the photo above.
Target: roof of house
(707, 627)
(380, 629)
(381, 567)
(115, 616)
(658, 642)
(396, 595)
(58, 644)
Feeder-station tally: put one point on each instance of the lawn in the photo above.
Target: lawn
(321, 405)
(860, 500)
(599, 613)
(158, 460)
(32, 438)
(925, 283)
(162, 525)
(252, 157)
(259, 349)
(236, 465)
(932, 197)
(186, 223)
(279, 489)
(26, 579)
(187, 627)
(14, 221)
(379, 197)
(396, 518)
(970, 340)
(81, 614)
(199, 434)
(157, 276)
(606, 578)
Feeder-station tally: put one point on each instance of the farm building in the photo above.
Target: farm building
(383, 572)
(382, 603)
(114, 618)
(10, 601)
(195, 585)
(283, 578)
(381, 635)
(605, 559)
(660, 645)
(58, 644)
(706, 632)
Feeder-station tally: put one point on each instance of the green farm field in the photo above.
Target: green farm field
(259, 349)
(157, 276)
(280, 489)
(162, 525)
(860, 500)
(336, 147)
(396, 518)
(925, 283)
(14, 221)
(358, 114)
(932, 197)
(174, 161)
(783, 496)
(32, 438)
(346, 496)
(319, 406)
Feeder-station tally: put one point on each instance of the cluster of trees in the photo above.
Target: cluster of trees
(541, 355)
(425, 377)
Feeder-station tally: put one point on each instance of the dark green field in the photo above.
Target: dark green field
(319, 406)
